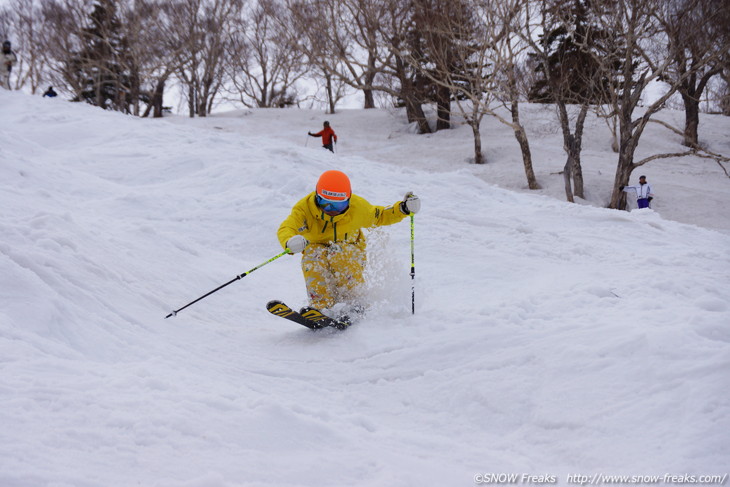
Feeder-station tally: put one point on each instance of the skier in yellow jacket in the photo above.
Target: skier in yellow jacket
(326, 226)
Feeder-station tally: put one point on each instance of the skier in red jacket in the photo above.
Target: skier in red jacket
(328, 136)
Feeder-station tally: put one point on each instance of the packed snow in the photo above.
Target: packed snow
(549, 339)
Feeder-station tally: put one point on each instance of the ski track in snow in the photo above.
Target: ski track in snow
(549, 338)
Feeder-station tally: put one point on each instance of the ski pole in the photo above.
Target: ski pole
(229, 282)
(413, 272)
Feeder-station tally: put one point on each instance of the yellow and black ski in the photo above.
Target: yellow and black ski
(309, 317)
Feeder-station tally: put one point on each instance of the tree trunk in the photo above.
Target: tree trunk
(526, 157)
(691, 91)
(576, 148)
(191, 100)
(134, 93)
(478, 156)
(369, 99)
(157, 99)
(623, 175)
(572, 144)
(578, 174)
(521, 137)
(443, 120)
(410, 96)
(567, 176)
(691, 118)
(623, 170)
(98, 98)
(330, 96)
(414, 112)
(203, 95)
(369, 78)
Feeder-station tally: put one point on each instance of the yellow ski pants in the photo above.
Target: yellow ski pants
(333, 273)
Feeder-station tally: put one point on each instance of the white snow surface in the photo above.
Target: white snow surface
(549, 338)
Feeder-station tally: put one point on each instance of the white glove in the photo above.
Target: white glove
(410, 204)
(296, 244)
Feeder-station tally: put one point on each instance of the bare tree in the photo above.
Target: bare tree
(60, 38)
(635, 39)
(27, 23)
(554, 23)
(475, 54)
(139, 55)
(160, 51)
(455, 57)
(509, 50)
(204, 28)
(695, 30)
(565, 45)
(264, 65)
(342, 39)
(83, 48)
(22, 22)
(155, 51)
(364, 43)
(433, 45)
(334, 88)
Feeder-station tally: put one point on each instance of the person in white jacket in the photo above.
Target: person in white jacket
(8, 59)
(643, 192)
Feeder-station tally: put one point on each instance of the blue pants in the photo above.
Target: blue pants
(643, 202)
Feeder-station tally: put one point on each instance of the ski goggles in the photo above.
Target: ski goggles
(332, 206)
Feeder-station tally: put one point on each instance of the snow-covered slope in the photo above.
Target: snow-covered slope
(548, 339)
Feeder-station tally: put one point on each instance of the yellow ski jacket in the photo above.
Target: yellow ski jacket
(308, 220)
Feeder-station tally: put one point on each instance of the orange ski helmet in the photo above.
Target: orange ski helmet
(334, 186)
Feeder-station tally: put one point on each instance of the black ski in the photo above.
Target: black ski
(309, 317)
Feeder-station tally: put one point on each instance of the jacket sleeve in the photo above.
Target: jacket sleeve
(387, 215)
(294, 224)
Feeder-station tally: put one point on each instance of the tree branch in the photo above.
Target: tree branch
(664, 156)
(695, 149)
